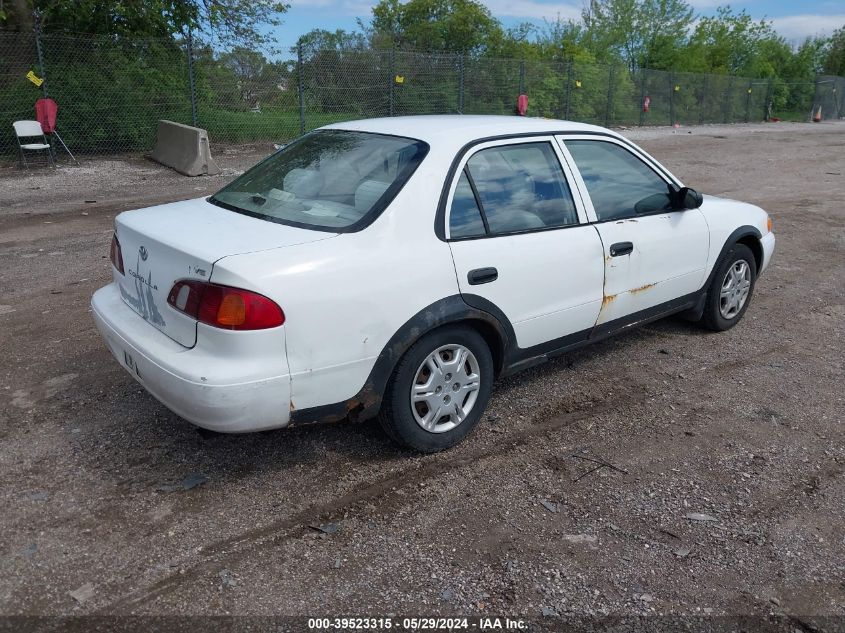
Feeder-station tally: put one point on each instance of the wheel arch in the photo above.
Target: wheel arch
(451, 310)
(747, 235)
(753, 243)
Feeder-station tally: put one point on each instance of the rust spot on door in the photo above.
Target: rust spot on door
(641, 288)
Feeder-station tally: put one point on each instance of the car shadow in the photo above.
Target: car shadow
(141, 441)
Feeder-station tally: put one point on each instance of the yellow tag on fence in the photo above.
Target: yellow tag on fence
(400, 79)
(677, 88)
(34, 79)
(577, 83)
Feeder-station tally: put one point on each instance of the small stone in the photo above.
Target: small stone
(548, 505)
(83, 593)
(228, 579)
(699, 516)
(580, 538)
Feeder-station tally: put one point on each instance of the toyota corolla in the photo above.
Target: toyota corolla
(396, 267)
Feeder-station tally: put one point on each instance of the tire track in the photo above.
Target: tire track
(385, 489)
(229, 550)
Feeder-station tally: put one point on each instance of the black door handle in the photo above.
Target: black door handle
(621, 248)
(482, 276)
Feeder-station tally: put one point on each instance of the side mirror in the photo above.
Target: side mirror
(690, 198)
(685, 198)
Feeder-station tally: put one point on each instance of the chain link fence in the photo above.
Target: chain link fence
(111, 91)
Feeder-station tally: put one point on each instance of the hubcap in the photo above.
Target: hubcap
(445, 388)
(735, 288)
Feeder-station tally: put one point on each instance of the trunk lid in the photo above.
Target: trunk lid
(182, 240)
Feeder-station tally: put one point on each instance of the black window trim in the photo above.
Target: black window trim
(478, 202)
(368, 218)
(440, 215)
(450, 178)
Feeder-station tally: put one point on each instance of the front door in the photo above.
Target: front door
(653, 254)
(520, 241)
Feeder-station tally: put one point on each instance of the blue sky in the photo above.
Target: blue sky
(793, 19)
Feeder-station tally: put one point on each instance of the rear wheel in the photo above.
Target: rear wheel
(439, 390)
(731, 289)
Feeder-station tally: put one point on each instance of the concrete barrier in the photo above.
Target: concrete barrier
(184, 148)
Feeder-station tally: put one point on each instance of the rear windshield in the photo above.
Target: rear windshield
(326, 180)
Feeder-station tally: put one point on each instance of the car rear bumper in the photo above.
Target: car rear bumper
(189, 382)
(768, 244)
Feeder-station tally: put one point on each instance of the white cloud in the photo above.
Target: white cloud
(798, 27)
(531, 9)
(528, 9)
(354, 8)
(706, 4)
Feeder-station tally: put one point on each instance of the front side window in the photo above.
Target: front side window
(517, 188)
(329, 179)
(620, 184)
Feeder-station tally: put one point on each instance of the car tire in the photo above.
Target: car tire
(731, 289)
(419, 385)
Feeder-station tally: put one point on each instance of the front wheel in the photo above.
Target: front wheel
(439, 390)
(731, 289)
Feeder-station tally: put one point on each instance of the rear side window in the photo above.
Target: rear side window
(620, 184)
(465, 218)
(517, 188)
(327, 180)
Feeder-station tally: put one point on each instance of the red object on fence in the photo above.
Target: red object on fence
(646, 103)
(45, 114)
(522, 105)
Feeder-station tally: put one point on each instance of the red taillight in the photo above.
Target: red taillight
(225, 307)
(115, 255)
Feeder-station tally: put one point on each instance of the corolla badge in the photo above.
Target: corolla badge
(143, 253)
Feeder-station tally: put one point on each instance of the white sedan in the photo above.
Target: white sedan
(396, 267)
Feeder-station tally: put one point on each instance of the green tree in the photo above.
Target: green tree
(643, 33)
(458, 26)
(732, 43)
(237, 22)
(833, 62)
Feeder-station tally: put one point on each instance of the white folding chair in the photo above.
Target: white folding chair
(30, 130)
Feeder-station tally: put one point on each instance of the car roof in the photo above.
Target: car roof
(460, 129)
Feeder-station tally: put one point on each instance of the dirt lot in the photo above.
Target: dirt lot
(744, 426)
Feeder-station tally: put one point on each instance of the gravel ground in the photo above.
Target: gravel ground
(667, 471)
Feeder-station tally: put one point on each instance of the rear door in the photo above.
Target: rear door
(652, 253)
(520, 240)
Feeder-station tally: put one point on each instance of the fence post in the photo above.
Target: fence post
(608, 111)
(191, 83)
(461, 84)
(816, 98)
(37, 29)
(568, 89)
(642, 96)
(672, 99)
(767, 105)
(300, 87)
(748, 100)
(727, 106)
(702, 102)
(391, 79)
(522, 77)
